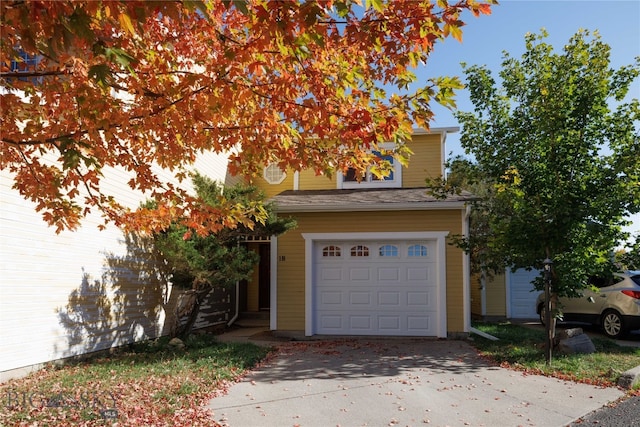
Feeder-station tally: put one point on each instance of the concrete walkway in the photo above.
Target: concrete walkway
(405, 382)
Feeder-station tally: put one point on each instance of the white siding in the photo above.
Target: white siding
(75, 292)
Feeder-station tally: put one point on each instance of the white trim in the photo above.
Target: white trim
(483, 293)
(441, 279)
(296, 180)
(443, 154)
(265, 175)
(308, 284)
(368, 182)
(507, 286)
(444, 129)
(466, 274)
(359, 207)
(273, 294)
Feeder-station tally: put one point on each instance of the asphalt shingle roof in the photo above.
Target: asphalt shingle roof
(387, 198)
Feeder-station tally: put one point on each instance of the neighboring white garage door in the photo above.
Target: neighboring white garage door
(376, 288)
(521, 300)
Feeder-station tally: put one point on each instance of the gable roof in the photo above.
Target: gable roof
(370, 199)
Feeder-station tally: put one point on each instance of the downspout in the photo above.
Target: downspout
(235, 316)
(466, 271)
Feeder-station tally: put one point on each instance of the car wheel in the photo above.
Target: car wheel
(543, 314)
(612, 324)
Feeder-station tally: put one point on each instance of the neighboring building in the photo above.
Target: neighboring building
(367, 258)
(510, 295)
(72, 293)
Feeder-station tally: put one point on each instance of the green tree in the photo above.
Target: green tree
(559, 141)
(629, 258)
(198, 263)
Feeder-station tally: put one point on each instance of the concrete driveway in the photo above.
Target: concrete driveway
(404, 382)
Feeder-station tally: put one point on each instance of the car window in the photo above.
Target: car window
(636, 279)
(600, 282)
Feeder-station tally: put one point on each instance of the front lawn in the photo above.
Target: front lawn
(522, 348)
(148, 384)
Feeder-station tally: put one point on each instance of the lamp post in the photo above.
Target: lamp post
(547, 314)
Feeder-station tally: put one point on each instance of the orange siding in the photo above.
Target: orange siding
(291, 270)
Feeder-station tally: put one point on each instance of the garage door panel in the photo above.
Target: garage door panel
(418, 323)
(331, 274)
(418, 274)
(331, 323)
(420, 299)
(333, 298)
(386, 298)
(389, 323)
(361, 323)
(388, 274)
(360, 299)
(359, 274)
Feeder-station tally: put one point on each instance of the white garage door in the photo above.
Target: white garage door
(376, 288)
(522, 301)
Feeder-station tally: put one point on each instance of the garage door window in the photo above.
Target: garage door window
(359, 251)
(388, 251)
(417, 250)
(331, 251)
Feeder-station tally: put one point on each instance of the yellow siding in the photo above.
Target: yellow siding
(496, 294)
(291, 270)
(476, 296)
(426, 160)
(310, 181)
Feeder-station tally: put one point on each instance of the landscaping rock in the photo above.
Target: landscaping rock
(630, 378)
(569, 333)
(581, 344)
(176, 343)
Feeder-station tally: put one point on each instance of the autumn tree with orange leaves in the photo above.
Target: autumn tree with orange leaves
(135, 85)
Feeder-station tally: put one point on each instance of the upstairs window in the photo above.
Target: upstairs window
(25, 63)
(351, 180)
(273, 174)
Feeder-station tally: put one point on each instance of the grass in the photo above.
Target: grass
(522, 348)
(149, 383)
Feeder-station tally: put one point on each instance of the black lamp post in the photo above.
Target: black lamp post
(547, 314)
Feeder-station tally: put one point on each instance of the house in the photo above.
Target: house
(369, 257)
(510, 295)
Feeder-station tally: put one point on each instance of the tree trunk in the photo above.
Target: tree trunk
(184, 330)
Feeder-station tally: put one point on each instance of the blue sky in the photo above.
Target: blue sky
(487, 37)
